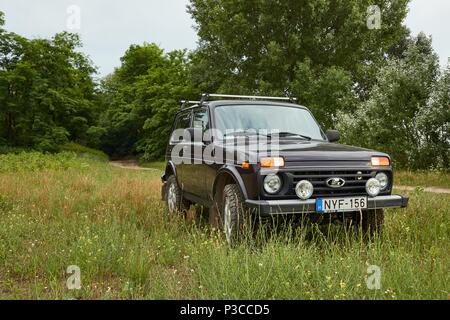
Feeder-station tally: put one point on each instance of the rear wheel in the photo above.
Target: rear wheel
(175, 202)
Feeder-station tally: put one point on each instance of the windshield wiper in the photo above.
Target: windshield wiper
(244, 133)
(290, 134)
(270, 135)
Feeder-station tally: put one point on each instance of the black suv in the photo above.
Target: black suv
(269, 155)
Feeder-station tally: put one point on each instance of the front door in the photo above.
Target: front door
(194, 172)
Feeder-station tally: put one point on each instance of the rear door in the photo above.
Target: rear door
(177, 144)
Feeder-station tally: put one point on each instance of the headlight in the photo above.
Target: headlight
(272, 183)
(383, 179)
(373, 187)
(269, 162)
(304, 189)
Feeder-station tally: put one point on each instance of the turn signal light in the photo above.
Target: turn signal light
(270, 162)
(246, 165)
(380, 161)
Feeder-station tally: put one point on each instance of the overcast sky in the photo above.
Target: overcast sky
(108, 27)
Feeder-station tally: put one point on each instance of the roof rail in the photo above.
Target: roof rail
(187, 103)
(206, 96)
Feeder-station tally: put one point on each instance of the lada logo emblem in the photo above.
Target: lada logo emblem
(335, 182)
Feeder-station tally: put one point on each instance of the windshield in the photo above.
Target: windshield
(294, 120)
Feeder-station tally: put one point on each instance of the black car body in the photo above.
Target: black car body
(319, 161)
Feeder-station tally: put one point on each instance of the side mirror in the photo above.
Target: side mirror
(333, 135)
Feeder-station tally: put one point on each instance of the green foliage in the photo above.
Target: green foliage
(37, 161)
(46, 91)
(279, 41)
(433, 125)
(5, 149)
(85, 152)
(381, 88)
(324, 92)
(407, 112)
(143, 96)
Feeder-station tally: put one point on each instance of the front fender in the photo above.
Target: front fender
(235, 175)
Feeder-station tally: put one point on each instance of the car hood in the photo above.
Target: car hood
(299, 151)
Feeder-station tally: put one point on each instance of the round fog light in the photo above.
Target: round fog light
(384, 180)
(373, 187)
(304, 189)
(272, 183)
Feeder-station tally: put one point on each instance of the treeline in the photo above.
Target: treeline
(47, 94)
(382, 88)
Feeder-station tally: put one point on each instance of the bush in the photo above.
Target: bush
(85, 152)
(36, 161)
(406, 114)
(5, 149)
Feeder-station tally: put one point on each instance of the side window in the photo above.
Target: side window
(200, 119)
(183, 120)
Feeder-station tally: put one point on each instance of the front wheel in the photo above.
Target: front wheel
(234, 214)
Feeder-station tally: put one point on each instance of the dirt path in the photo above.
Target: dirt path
(426, 189)
(129, 164)
(133, 165)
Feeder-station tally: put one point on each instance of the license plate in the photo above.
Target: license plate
(341, 204)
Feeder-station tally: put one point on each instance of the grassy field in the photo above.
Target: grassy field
(422, 178)
(57, 211)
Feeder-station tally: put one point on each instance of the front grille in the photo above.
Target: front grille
(355, 182)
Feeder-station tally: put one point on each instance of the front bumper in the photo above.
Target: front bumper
(274, 207)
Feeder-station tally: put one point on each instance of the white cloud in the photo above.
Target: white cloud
(433, 18)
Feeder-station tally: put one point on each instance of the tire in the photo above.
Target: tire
(176, 204)
(370, 221)
(234, 214)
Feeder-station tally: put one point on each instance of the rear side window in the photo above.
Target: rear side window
(183, 120)
(200, 119)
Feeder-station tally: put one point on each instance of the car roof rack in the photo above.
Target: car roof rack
(187, 103)
(207, 96)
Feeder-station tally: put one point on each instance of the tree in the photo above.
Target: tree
(143, 97)
(46, 91)
(433, 123)
(388, 120)
(324, 91)
(264, 46)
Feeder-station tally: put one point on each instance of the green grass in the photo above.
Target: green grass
(110, 222)
(85, 152)
(423, 178)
